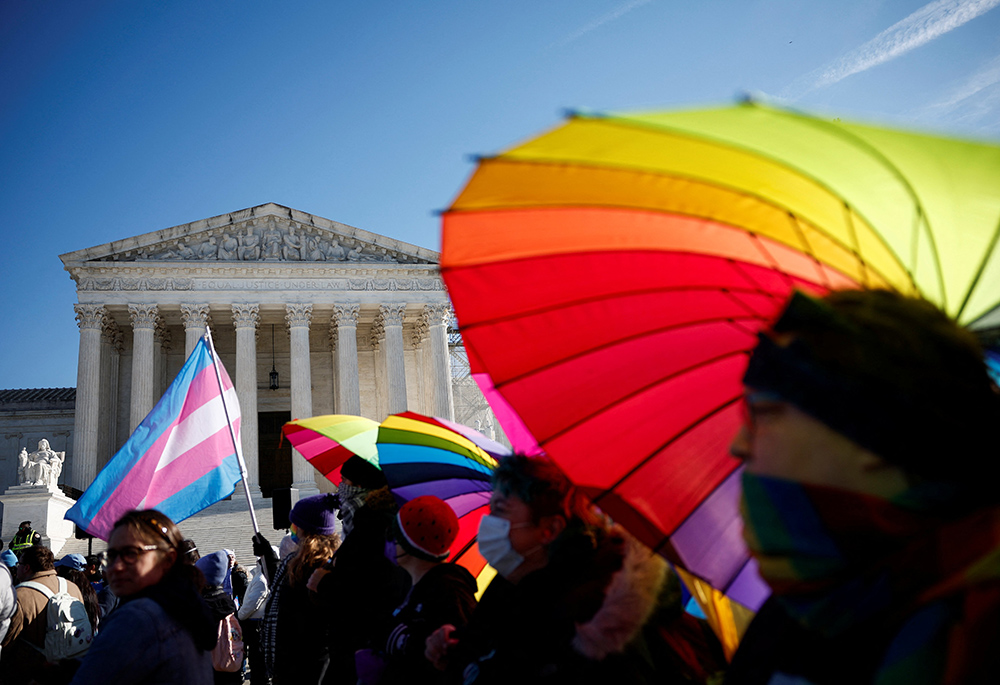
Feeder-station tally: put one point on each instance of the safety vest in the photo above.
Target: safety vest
(22, 540)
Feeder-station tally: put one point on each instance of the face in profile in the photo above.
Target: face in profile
(134, 564)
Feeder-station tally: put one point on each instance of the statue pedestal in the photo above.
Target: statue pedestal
(45, 507)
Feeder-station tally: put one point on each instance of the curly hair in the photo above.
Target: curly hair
(313, 552)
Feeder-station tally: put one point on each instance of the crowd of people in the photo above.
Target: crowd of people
(869, 418)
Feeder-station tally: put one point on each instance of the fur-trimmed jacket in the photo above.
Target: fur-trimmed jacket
(584, 618)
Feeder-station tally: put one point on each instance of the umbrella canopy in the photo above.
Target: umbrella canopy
(610, 277)
(421, 455)
(328, 441)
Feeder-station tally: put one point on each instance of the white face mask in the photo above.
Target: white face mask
(494, 544)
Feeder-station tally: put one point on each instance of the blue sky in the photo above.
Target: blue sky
(118, 118)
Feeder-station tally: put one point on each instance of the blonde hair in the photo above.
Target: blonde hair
(313, 552)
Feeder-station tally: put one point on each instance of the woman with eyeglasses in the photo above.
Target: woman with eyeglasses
(162, 632)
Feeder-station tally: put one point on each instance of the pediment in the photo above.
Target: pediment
(267, 233)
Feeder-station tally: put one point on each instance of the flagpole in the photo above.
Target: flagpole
(232, 433)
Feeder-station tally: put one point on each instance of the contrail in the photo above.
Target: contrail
(973, 102)
(616, 13)
(927, 23)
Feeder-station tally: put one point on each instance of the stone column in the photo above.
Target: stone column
(107, 441)
(421, 354)
(391, 316)
(143, 322)
(195, 318)
(348, 389)
(298, 317)
(161, 349)
(246, 318)
(90, 318)
(437, 317)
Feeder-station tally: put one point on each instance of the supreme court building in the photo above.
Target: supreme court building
(309, 316)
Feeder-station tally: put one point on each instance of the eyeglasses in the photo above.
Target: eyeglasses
(129, 555)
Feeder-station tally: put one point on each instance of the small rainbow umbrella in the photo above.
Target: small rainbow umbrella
(610, 277)
(422, 455)
(328, 441)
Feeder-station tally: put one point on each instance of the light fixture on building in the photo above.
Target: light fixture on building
(274, 372)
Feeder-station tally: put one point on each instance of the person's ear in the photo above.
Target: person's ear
(551, 527)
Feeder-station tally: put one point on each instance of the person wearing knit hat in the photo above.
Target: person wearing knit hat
(294, 631)
(443, 593)
(9, 559)
(358, 478)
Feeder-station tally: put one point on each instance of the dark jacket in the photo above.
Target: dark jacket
(446, 594)
(302, 637)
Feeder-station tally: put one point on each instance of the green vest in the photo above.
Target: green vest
(22, 540)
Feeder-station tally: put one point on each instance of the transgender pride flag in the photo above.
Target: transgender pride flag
(179, 460)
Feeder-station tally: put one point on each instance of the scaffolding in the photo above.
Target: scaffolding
(471, 408)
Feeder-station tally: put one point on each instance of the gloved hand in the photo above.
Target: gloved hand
(262, 548)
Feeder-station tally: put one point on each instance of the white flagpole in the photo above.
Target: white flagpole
(232, 433)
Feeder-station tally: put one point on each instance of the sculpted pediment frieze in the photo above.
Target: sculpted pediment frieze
(265, 239)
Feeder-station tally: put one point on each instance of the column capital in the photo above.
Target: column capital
(420, 331)
(437, 314)
(109, 330)
(246, 315)
(90, 316)
(392, 313)
(345, 314)
(195, 315)
(161, 334)
(332, 337)
(298, 315)
(143, 316)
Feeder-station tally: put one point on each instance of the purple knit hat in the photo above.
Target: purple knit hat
(316, 515)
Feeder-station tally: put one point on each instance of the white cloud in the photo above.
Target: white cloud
(616, 13)
(973, 102)
(927, 23)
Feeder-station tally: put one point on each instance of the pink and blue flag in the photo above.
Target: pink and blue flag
(179, 460)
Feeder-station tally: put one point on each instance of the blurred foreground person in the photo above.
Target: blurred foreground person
(572, 596)
(869, 434)
(162, 631)
(227, 656)
(423, 531)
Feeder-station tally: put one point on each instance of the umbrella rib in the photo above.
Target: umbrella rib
(642, 462)
(980, 270)
(614, 343)
(636, 393)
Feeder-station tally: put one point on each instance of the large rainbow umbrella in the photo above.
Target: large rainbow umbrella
(610, 277)
(423, 455)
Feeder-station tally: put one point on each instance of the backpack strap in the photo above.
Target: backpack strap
(41, 588)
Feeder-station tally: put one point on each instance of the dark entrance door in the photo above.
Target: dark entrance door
(274, 462)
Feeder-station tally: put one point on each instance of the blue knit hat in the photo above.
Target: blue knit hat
(214, 567)
(9, 558)
(316, 515)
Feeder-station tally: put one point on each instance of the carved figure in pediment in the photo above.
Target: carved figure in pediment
(334, 251)
(249, 246)
(185, 252)
(228, 247)
(312, 251)
(292, 249)
(272, 243)
(208, 249)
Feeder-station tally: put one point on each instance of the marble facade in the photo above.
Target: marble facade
(359, 324)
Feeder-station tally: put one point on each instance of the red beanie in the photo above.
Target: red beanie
(426, 527)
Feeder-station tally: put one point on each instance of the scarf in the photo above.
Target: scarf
(352, 498)
(269, 623)
(839, 561)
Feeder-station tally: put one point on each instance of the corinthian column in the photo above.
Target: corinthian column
(143, 322)
(195, 318)
(107, 439)
(246, 317)
(391, 316)
(348, 392)
(437, 317)
(298, 317)
(90, 318)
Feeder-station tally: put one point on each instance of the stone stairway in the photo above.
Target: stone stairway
(224, 525)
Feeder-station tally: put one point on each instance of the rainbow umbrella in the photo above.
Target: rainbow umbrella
(422, 455)
(610, 276)
(328, 441)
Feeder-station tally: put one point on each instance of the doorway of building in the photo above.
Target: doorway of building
(274, 454)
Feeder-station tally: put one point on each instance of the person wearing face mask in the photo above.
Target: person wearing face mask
(442, 593)
(572, 593)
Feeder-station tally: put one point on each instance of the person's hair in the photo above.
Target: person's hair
(38, 558)
(542, 485)
(936, 404)
(86, 590)
(313, 552)
(155, 528)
